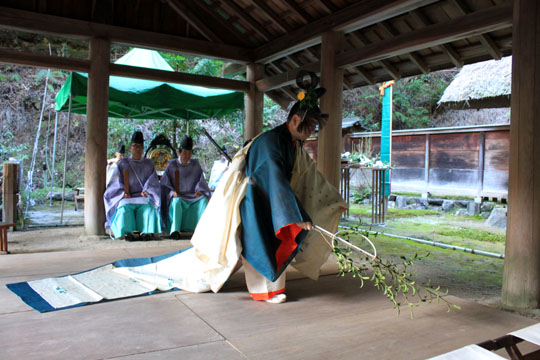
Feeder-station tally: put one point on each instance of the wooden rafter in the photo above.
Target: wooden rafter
(226, 26)
(329, 5)
(276, 18)
(468, 25)
(415, 58)
(278, 98)
(181, 9)
(358, 15)
(448, 49)
(391, 69)
(485, 39)
(47, 24)
(234, 69)
(359, 38)
(298, 10)
(473, 24)
(286, 78)
(263, 33)
(364, 74)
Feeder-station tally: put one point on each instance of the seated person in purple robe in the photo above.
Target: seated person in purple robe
(132, 197)
(185, 191)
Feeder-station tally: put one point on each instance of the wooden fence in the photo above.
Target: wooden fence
(470, 160)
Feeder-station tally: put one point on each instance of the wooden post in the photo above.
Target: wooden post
(521, 280)
(253, 123)
(96, 137)
(10, 189)
(329, 142)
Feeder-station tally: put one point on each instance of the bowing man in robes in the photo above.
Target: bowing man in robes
(132, 197)
(262, 210)
(274, 223)
(185, 190)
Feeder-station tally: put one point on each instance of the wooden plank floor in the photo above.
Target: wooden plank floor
(327, 319)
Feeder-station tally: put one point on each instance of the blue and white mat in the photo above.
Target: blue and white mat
(120, 279)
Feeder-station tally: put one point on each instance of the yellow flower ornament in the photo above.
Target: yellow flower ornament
(301, 95)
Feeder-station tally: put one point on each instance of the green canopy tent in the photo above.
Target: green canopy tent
(147, 99)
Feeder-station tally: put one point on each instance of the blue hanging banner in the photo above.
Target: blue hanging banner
(386, 131)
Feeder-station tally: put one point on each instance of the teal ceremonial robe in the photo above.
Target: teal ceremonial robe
(270, 209)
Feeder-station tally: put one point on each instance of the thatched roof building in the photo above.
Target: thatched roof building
(485, 84)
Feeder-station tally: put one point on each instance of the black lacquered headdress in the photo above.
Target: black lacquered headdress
(308, 97)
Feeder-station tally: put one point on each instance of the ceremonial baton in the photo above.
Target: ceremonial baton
(216, 145)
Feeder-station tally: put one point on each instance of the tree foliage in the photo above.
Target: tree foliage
(414, 101)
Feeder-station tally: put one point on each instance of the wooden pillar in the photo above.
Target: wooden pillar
(329, 141)
(96, 137)
(253, 123)
(521, 281)
(10, 190)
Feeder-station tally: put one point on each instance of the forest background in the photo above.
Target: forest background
(28, 94)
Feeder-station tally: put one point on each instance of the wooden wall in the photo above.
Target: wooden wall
(454, 161)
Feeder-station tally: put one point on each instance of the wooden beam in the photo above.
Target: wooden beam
(476, 23)
(62, 63)
(359, 15)
(234, 69)
(47, 24)
(181, 9)
(415, 58)
(448, 49)
(43, 61)
(360, 38)
(485, 39)
(433, 35)
(285, 78)
(179, 78)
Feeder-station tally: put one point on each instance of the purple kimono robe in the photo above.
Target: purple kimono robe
(191, 181)
(142, 177)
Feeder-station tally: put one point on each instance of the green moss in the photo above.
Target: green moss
(365, 211)
(407, 194)
(475, 234)
(455, 265)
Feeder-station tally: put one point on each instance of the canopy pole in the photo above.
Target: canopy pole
(65, 161)
(53, 155)
(47, 154)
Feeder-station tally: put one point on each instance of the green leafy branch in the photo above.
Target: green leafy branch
(394, 279)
